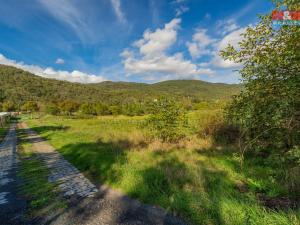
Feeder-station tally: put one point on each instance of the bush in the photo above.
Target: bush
(267, 109)
(52, 109)
(68, 107)
(115, 110)
(209, 105)
(87, 109)
(133, 109)
(8, 106)
(168, 120)
(226, 133)
(221, 131)
(209, 125)
(30, 107)
(102, 109)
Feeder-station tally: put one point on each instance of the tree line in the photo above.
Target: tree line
(70, 108)
(18, 86)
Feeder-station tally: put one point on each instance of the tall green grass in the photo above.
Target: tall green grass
(43, 197)
(200, 184)
(3, 131)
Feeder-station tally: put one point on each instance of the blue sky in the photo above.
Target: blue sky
(128, 40)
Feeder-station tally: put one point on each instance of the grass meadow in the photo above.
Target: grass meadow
(196, 178)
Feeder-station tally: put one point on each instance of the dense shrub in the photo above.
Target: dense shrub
(208, 105)
(115, 110)
(8, 106)
(102, 109)
(133, 109)
(87, 109)
(167, 120)
(30, 106)
(52, 109)
(216, 127)
(267, 110)
(68, 107)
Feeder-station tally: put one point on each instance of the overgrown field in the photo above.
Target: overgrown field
(197, 179)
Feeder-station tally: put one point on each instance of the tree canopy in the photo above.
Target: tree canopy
(268, 108)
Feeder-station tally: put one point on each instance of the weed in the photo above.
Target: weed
(190, 178)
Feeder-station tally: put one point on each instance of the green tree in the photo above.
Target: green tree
(52, 109)
(88, 109)
(115, 110)
(20, 86)
(167, 120)
(30, 106)
(2, 95)
(8, 106)
(133, 109)
(102, 109)
(267, 110)
(68, 107)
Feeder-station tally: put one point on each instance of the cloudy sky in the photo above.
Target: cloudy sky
(129, 40)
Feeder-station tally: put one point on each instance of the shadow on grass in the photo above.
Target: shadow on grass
(43, 129)
(102, 162)
(110, 207)
(23, 137)
(198, 194)
(169, 183)
(96, 159)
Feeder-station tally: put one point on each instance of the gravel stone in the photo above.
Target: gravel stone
(71, 182)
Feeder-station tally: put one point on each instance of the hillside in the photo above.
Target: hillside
(19, 86)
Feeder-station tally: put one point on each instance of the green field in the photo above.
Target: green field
(195, 178)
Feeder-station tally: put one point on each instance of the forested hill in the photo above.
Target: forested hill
(18, 86)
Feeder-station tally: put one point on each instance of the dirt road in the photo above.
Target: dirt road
(89, 204)
(12, 206)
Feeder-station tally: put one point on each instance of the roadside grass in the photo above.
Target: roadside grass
(200, 182)
(3, 131)
(43, 197)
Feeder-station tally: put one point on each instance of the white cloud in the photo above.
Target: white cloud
(233, 39)
(59, 61)
(155, 43)
(116, 4)
(207, 16)
(181, 10)
(178, 1)
(74, 76)
(226, 26)
(246, 9)
(151, 60)
(226, 76)
(201, 44)
(175, 65)
(67, 12)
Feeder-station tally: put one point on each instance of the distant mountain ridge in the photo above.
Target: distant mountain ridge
(18, 86)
